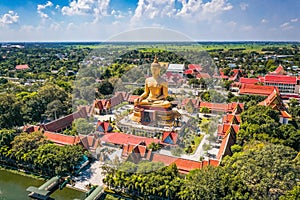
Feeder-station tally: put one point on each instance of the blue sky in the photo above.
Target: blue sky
(98, 20)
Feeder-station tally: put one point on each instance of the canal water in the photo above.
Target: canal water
(13, 187)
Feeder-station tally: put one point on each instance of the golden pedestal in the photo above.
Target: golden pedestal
(155, 116)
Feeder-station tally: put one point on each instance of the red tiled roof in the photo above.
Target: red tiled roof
(195, 67)
(275, 102)
(249, 80)
(221, 107)
(284, 79)
(223, 129)
(127, 149)
(189, 71)
(132, 98)
(89, 142)
(222, 76)
(285, 114)
(229, 118)
(203, 75)
(223, 147)
(214, 106)
(66, 121)
(98, 104)
(139, 149)
(105, 126)
(195, 102)
(61, 139)
(263, 90)
(167, 160)
(183, 165)
(214, 163)
(271, 99)
(116, 99)
(279, 70)
(21, 67)
(102, 104)
(236, 74)
(122, 138)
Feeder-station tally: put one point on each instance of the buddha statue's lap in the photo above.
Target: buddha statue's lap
(157, 103)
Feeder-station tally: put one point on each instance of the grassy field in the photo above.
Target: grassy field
(245, 47)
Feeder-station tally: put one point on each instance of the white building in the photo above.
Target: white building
(176, 68)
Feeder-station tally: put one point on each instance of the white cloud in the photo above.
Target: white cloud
(97, 8)
(151, 9)
(264, 21)
(189, 7)
(294, 20)
(42, 7)
(286, 26)
(232, 24)
(216, 6)
(195, 9)
(117, 14)
(244, 6)
(9, 18)
(80, 7)
(199, 11)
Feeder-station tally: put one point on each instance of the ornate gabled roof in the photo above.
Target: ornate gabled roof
(104, 127)
(232, 119)
(275, 102)
(169, 137)
(279, 70)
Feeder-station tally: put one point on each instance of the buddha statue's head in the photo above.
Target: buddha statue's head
(155, 68)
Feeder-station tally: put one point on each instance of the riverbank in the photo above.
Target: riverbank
(13, 186)
(22, 172)
(91, 176)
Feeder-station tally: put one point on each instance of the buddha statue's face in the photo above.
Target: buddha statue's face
(155, 71)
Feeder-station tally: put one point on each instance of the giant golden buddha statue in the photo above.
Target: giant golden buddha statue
(152, 107)
(156, 90)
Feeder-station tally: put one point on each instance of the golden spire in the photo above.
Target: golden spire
(155, 59)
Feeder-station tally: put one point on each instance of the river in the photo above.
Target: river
(13, 187)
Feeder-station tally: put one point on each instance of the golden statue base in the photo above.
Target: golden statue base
(155, 116)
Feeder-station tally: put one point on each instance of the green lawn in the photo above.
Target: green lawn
(197, 141)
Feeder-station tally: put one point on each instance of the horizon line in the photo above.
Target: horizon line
(147, 41)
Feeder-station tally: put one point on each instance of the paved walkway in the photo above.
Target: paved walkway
(92, 175)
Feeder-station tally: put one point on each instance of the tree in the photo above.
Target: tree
(3, 81)
(83, 126)
(262, 123)
(105, 88)
(25, 144)
(293, 194)
(6, 137)
(138, 91)
(10, 111)
(54, 109)
(36, 104)
(271, 65)
(267, 170)
(212, 183)
(205, 110)
(154, 146)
